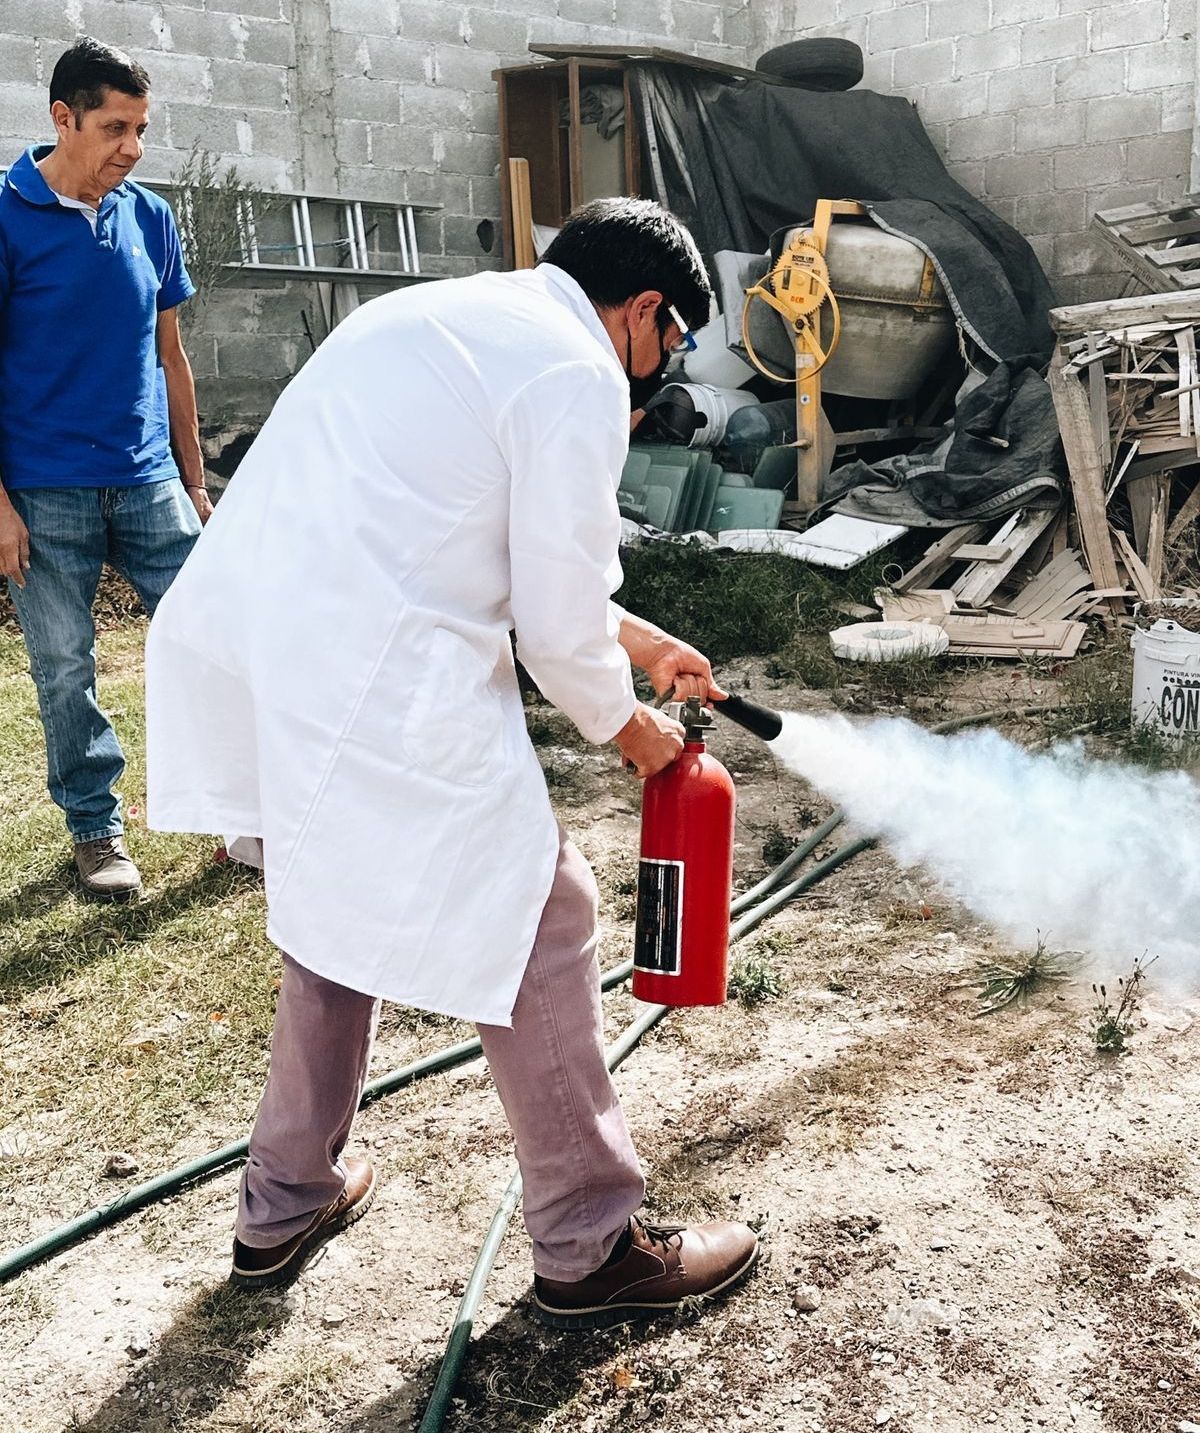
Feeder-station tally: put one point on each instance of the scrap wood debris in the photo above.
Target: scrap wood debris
(1022, 592)
(1127, 390)
(1126, 383)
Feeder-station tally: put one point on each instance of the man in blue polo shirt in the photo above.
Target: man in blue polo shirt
(95, 393)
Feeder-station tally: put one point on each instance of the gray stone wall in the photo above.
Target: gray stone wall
(1045, 109)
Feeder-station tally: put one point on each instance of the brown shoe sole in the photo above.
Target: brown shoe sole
(288, 1270)
(131, 893)
(606, 1315)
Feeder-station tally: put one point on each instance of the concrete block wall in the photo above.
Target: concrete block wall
(384, 99)
(1046, 109)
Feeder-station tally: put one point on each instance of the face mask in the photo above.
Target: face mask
(641, 390)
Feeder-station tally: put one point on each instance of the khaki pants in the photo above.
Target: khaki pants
(581, 1175)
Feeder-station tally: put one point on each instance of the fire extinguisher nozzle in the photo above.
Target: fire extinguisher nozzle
(762, 721)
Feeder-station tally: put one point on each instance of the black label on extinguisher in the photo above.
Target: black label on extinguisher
(659, 937)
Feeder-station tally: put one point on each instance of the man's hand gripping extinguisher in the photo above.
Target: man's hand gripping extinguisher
(685, 879)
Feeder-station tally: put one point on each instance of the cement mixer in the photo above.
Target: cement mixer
(847, 308)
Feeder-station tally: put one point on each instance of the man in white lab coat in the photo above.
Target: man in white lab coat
(332, 673)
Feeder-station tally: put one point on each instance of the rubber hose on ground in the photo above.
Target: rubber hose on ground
(786, 867)
(468, 1307)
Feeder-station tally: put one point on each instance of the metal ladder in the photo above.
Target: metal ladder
(351, 245)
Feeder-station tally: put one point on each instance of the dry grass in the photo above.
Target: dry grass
(1148, 1375)
(846, 1099)
(141, 1027)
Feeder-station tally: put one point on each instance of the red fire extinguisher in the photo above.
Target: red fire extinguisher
(685, 880)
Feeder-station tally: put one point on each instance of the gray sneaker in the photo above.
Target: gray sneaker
(105, 869)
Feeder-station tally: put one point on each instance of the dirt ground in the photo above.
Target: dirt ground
(968, 1221)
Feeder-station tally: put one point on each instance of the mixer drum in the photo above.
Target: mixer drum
(896, 325)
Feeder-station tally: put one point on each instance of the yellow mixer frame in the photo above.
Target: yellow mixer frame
(798, 288)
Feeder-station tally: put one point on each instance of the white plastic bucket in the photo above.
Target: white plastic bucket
(715, 405)
(1166, 679)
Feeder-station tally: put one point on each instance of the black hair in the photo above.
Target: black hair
(615, 249)
(88, 68)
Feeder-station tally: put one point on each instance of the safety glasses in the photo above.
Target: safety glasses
(687, 342)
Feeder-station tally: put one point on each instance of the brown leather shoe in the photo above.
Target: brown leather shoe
(665, 1265)
(280, 1263)
(105, 870)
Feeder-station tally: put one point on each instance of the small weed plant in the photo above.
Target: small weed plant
(217, 210)
(1005, 983)
(1149, 747)
(1095, 693)
(1095, 690)
(1114, 1024)
(754, 979)
(777, 846)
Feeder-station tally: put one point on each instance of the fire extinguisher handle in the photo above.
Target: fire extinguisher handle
(762, 721)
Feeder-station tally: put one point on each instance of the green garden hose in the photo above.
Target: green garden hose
(786, 867)
(468, 1305)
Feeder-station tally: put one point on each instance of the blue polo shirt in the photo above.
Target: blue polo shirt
(83, 401)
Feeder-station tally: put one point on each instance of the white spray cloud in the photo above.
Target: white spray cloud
(1096, 857)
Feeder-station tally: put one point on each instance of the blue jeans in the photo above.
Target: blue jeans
(145, 532)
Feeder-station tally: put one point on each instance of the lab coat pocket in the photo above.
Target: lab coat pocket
(455, 727)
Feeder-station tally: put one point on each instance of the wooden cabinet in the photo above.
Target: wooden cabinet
(568, 163)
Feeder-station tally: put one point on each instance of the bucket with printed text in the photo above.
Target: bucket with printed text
(1166, 669)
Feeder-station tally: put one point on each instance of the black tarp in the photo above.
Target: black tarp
(1003, 452)
(739, 161)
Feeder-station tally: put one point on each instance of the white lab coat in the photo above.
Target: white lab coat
(331, 670)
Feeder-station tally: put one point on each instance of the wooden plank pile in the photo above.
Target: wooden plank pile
(1020, 593)
(1125, 378)
(1126, 385)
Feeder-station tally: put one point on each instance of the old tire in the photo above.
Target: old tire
(888, 641)
(828, 64)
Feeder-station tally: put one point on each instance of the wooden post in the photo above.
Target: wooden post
(633, 154)
(524, 254)
(813, 455)
(810, 465)
(575, 133)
